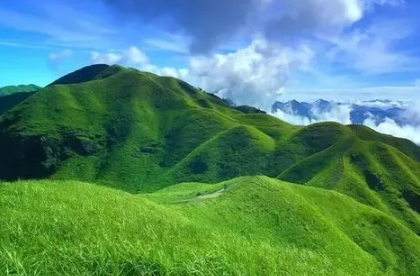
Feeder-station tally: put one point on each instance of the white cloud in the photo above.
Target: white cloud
(131, 56)
(341, 114)
(385, 104)
(66, 53)
(338, 113)
(413, 112)
(371, 50)
(107, 58)
(134, 55)
(293, 119)
(254, 75)
(392, 128)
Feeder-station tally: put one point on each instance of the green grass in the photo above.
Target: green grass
(162, 155)
(258, 226)
(139, 132)
(9, 101)
(10, 90)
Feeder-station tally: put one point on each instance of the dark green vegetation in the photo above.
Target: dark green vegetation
(144, 134)
(13, 95)
(9, 90)
(9, 101)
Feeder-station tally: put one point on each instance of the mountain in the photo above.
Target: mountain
(294, 107)
(13, 95)
(333, 199)
(377, 110)
(124, 126)
(9, 90)
(10, 101)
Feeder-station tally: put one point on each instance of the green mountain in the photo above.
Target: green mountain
(10, 101)
(9, 90)
(13, 95)
(155, 137)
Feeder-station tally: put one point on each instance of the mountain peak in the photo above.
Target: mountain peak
(89, 73)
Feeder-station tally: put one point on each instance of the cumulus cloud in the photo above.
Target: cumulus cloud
(254, 75)
(209, 23)
(294, 17)
(293, 35)
(390, 127)
(132, 56)
(337, 113)
(412, 112)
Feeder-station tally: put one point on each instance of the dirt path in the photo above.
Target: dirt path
(212, 195)
(198, 198)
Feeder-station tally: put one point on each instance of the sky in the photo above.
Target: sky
(251, 51)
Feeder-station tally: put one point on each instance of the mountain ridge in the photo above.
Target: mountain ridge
(358, 112)
(140, 132)
(343, 197)
(12, 89)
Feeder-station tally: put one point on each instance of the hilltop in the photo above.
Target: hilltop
(163, 148)
(140, 132)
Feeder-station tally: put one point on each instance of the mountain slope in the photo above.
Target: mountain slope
(140, 132)
(10, 101)
(254, 226)
(122, 128)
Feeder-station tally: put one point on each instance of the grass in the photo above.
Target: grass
(259, 226)
(9, 101)
(139, 132)
(165, 159)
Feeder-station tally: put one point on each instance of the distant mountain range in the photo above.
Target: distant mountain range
(376, 110)
(12, 95)
(13, 89)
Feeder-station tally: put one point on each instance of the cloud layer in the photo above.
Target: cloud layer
(210, 23)
(340, 113)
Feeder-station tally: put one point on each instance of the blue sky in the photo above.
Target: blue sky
(253, 51)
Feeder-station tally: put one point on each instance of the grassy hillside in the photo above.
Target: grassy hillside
(164, 155)
(9, 90)
(10, 101)
(139, 132)
(246, 226)
(125, 126)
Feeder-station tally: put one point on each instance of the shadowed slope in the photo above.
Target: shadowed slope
(10, 101)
